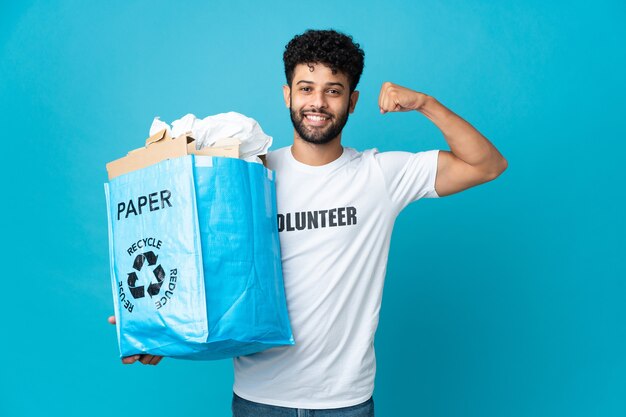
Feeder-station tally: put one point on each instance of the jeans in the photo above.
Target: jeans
(245, 408)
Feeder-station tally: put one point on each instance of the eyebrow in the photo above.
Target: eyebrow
(327, 84)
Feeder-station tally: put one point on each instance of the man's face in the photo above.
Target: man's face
(319, 102)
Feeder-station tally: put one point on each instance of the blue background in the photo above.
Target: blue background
(504, 300)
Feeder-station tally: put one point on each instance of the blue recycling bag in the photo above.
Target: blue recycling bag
(195, 259)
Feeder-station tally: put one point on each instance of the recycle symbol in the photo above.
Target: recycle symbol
(159, 273)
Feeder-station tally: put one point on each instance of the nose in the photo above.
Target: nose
(318, 101)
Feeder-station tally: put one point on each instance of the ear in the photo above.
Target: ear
(354, 97)
(286, 94)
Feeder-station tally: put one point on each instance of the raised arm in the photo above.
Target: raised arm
(472, 159)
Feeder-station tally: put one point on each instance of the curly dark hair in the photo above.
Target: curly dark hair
(328, 47)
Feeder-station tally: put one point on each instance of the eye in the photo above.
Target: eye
(334, 92)
(305, 89)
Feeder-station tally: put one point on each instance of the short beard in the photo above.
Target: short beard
(318, 137)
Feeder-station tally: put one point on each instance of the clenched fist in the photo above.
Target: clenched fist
(394, 98)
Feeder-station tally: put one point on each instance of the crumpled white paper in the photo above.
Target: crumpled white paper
(220, 126)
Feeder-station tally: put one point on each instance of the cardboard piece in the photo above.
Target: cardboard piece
(161, 146)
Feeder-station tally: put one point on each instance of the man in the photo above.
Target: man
(337, 207)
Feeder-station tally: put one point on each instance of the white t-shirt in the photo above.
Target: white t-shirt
(335, 223)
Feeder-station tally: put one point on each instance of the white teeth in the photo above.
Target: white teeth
(316, 118)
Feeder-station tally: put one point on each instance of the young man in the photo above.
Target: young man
(337, 207)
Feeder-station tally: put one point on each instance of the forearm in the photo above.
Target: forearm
(466, 143)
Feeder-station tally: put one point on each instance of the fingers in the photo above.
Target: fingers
(383, 97)
(144, 359)
(128, 360)
(395, 98)
(389, 99)
(150, 359)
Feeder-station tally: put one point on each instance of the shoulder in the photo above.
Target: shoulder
(368, 157)
(354, 156)
(276, 153)
(375, 156)
(355, 160)
(276, 157)
(397, 159)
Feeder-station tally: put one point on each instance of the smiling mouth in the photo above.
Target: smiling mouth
(316, 117)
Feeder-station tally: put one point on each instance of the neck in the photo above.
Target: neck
(316, 155)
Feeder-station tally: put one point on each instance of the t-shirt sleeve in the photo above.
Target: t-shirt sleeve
(409, 176)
